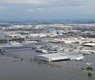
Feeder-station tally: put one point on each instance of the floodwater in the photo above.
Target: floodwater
(16, 69)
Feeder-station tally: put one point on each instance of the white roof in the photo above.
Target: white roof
(90, 44)
(59, 56)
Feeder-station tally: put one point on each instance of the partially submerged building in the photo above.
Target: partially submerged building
(60, 56)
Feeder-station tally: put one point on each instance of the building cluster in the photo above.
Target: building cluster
(52, 41)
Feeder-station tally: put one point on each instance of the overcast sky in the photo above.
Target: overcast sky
(27, 10)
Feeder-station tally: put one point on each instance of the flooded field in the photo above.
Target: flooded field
(23, 69)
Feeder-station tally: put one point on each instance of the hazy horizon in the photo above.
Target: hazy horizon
(28, 10)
